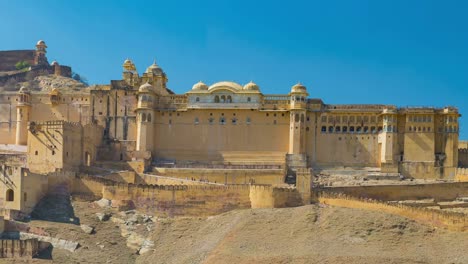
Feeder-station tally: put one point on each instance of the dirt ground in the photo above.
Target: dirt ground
(307, 234)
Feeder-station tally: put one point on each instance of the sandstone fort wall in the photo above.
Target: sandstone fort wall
(438, 191)
(450, 220)
(10, 248)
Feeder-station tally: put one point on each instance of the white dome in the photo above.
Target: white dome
(200, 86)
(231, 85)
(145, 88)
(40, 42)
(251, 86)
(23, 90)
(298, 88)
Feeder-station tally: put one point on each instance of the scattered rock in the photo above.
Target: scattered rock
(135, 241)
(87, 229)
(117, 220)
(103, 203)
(146, 247)
(103, 216)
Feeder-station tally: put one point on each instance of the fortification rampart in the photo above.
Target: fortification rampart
(461, 175)
(463, 157)
(193, 200)
(437, 218)
(274, 197)
(10, 248)
(438, 191)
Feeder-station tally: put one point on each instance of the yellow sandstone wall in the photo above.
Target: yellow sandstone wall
(274, 197)
(462, 175)
(438, 191)
(449, 220)
(226, 176)
(178, 137)
(181, 200)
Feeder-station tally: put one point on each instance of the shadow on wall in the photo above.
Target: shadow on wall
(55, 208)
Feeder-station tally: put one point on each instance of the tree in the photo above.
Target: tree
(22, 65)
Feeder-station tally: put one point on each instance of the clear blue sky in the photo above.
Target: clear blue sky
(391, 52)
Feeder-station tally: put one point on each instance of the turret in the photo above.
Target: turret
(155, 76)
(40, 56)
(22, 116)
(145, 118)
(130, 74)
(297, 119)
(388, 141)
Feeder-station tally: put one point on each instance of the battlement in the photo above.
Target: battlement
(447, 219)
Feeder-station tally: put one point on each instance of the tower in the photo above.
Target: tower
(156, 77)
(297, 123)
(145, 118)
(388, 141)
(40, 57)
(22, 116)
(130, 74)
(296, 159)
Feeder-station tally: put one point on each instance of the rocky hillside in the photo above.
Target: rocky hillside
(307, 234)
(46, 83)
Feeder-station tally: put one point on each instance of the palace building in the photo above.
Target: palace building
(230, 124)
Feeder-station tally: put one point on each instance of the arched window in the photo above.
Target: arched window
(345, 129)
(145, 98)
(359, 129)
(234, 121)
(366, 129)
(330, 129)
(351, 129)
(337, 129)
(229, 99)
(143, 118)
(389, 128)
(373, 129)
(149, 117)
(248, 121)
(223, 98)
(324, 129)
(197, 99)
(410, 129)
(216, 99)
(296, 118)
(25, 197)
(36, 152)
(196, 121)
(248, 99)
(211, 120)
(10, 195)
(302, 118)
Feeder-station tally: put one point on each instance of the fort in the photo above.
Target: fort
(216, 148)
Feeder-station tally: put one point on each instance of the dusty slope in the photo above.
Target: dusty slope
(309, 234)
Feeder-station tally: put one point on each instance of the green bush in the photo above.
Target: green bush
(22, 65)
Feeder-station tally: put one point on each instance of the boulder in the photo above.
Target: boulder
(135, 241)
(103, 216)
(103, 203)
(87, 229)
(146, 247)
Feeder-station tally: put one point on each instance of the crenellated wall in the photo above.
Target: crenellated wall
(451, 220)
(192, 200)
(462, 175)
(10, 248)
(437, 191)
